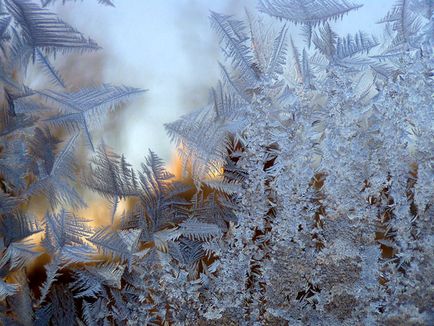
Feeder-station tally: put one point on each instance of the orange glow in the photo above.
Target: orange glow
(216, 174)
(99, 212)
(175, 166)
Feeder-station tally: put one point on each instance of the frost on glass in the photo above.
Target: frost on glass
(308, 190)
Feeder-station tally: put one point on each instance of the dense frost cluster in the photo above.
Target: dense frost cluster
(308, 195)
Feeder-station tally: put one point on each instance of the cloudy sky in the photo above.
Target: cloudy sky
(168, 48)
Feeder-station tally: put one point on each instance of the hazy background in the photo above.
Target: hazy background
(168, 48)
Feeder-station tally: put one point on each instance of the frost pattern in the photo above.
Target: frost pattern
(307, 197)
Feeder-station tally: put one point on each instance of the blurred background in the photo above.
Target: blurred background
(168, 48)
